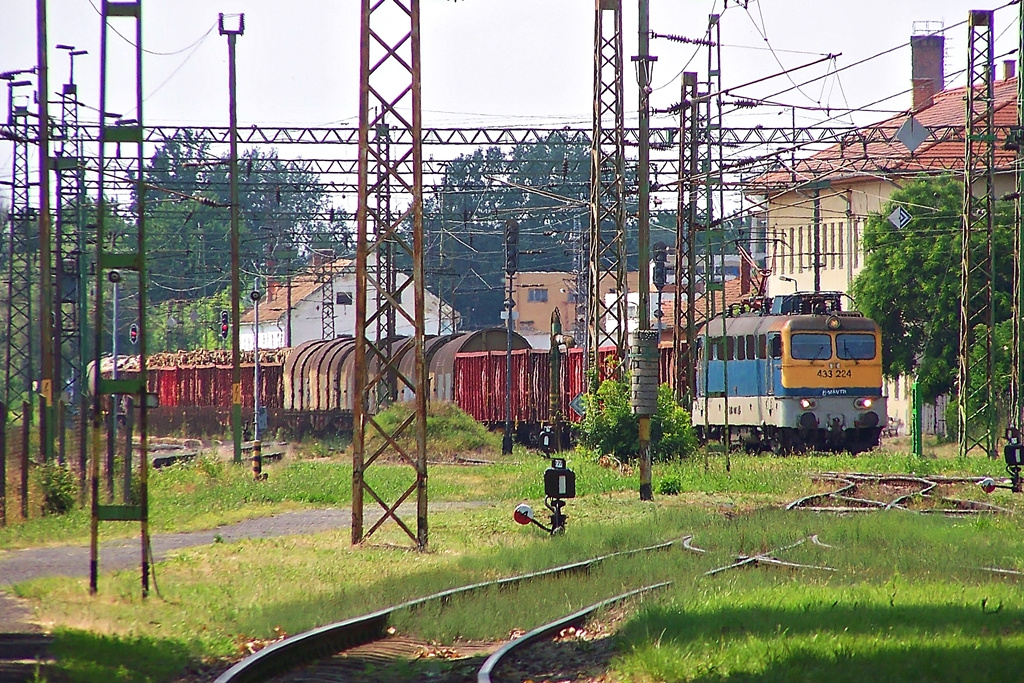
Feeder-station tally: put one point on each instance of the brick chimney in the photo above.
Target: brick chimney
(744, 276)
(927, 57)
(321, 257)
(1009, 69)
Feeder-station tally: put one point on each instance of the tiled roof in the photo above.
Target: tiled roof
(734, 294)
(303, 285)
(856, 156)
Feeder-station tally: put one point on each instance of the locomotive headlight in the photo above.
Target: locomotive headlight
(833, 323)
(807, 403)
(863, 403)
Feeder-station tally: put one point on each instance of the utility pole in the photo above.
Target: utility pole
(976, 407)
(19, 357)
(686, 227)
(511, 267)
(236, 286)
(645, 346)
(1017, 352)
(49, 338)
(110, 263)
(257, 421)
(607, 321)
(390, 108)
(71, 302)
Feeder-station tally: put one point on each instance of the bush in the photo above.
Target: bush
(59, 489)
(670, 486)
(610, 426)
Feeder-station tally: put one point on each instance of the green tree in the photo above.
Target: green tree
(284, 214)
(910, 284)
(544, 187)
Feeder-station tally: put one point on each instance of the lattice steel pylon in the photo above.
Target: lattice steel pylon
(1017, 351)
(21, 331)
(607, 318)
(685, 371)
(324, 273)
(112, 262)
(976, 406)
(70, 302)
(389, 105)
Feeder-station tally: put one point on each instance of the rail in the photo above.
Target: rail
(492, 662)
(319, 642)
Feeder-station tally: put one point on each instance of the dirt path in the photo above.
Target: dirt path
(73, 561)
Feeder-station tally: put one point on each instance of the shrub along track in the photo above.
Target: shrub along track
(360, 649)
(857, 492)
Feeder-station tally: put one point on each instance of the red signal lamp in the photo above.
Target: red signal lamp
(988, 484)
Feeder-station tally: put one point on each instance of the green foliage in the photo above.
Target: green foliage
(910, 284)
(284, 215)
(610, 426)
(670, 486)
(479, 193)
(59, 489)
(449, 429)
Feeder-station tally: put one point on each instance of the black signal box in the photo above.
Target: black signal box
(559, 481)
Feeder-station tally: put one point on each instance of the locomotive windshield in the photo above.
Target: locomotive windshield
(811, 346)
(855, 346)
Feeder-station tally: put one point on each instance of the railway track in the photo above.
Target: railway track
(858, 492)
(359, 649)
(347, 636)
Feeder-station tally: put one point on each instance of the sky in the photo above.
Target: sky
(496, 63)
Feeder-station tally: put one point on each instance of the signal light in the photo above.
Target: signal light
(225, 325)
(133, 333)
(988, 484)
(511, 247)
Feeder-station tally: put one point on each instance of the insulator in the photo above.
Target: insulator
(684, 39)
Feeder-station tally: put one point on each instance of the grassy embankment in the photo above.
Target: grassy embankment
(906, 597)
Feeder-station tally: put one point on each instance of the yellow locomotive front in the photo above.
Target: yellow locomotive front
(830, 380)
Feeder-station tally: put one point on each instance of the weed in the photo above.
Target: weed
(59, 489)
(670, 486)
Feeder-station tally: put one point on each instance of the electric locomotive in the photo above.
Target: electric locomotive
(789, 374)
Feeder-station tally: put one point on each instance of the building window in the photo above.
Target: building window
(832, 241)
(800, 249)
(537, 295)
(343, 298)
(791, 247)
(842, 245)
(855, 252)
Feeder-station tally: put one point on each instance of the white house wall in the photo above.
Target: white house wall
(307, 322)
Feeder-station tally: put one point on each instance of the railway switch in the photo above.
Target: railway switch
(559, 484)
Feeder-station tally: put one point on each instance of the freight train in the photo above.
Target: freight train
(794, 373)
(801, 373)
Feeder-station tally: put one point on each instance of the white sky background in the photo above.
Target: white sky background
(493, 63)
